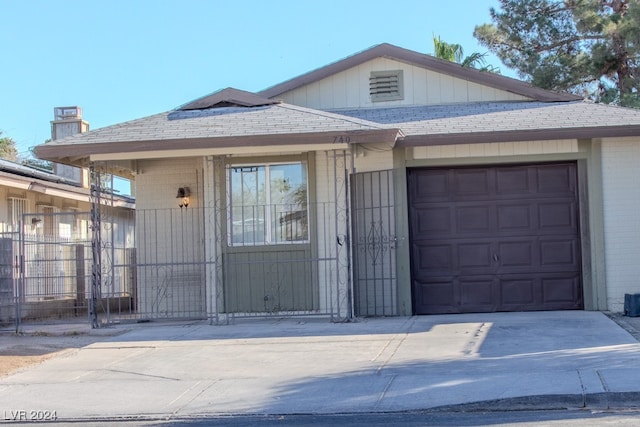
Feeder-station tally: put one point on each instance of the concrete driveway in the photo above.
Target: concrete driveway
(286, 366)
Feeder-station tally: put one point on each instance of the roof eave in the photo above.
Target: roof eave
(80, 152)
(519, 135)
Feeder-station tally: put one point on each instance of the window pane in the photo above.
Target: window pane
(288, 194)
(268, 204)
(248, 200)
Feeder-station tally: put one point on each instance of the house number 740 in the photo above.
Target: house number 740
(341, 139)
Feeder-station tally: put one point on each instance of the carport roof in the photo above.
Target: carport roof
(503, 121)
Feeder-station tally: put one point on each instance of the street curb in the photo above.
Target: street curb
(598, 401)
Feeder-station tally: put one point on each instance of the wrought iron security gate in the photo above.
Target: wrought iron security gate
(46, 269)
(50, 259)
(374, 243)
(309, 277)
(9, 271)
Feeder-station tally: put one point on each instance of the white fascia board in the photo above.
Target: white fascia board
(15, 183)
(255, 150)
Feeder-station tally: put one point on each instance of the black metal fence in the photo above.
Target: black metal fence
(170, 264)
(46, 268)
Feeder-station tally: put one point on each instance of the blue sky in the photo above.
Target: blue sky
(121, 60)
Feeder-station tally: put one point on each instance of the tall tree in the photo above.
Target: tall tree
(8, 148)
(587, 47)
(455, 53)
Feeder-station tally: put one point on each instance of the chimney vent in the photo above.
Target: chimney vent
(67, 113)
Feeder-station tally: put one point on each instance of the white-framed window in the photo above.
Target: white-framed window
(267, 204)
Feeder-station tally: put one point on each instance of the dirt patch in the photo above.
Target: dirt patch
(13, 363)
(18, 352)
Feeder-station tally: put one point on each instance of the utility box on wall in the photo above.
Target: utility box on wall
(632, 305)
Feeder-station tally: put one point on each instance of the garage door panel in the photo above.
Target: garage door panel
(472, 182)
(513, 181)
(434, 259)
(430, 185)
(506, 238)
(438, 295)
(475, 219)
(475, 255)
(517, 254)
(561, 290)
(477, 294)
(432, 220)
(560, 254)
(557, 216)
(518, 292)
(556, 180)
(515, 218)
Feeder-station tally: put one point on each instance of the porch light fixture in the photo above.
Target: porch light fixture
(36, 222)
(183, 197)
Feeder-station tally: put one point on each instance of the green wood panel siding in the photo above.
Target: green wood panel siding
(270, 279)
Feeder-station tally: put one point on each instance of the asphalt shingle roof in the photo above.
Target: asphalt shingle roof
(222, 122)
(497, 117)
(283, 124)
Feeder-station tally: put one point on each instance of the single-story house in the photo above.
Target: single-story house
(386, 183)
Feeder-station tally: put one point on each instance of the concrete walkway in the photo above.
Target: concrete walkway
(475, 361)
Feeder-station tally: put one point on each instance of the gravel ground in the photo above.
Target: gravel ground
(629, 324)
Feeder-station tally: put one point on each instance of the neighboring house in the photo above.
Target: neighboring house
(44, 218)
(389, 182)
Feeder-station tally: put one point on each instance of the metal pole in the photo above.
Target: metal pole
(19, 288)
(96, 245)
(111, 273)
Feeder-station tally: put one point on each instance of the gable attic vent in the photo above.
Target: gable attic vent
(386, 86)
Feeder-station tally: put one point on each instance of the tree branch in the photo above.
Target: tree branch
(567, 41)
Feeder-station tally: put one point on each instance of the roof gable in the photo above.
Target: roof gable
(428, 62)
(228, 97)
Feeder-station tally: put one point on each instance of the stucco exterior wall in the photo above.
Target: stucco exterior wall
(350, 88)
(373, 157)
(157, 182)
(169, 239)
(621, 196)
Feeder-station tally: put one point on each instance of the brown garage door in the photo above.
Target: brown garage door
(501, 238)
